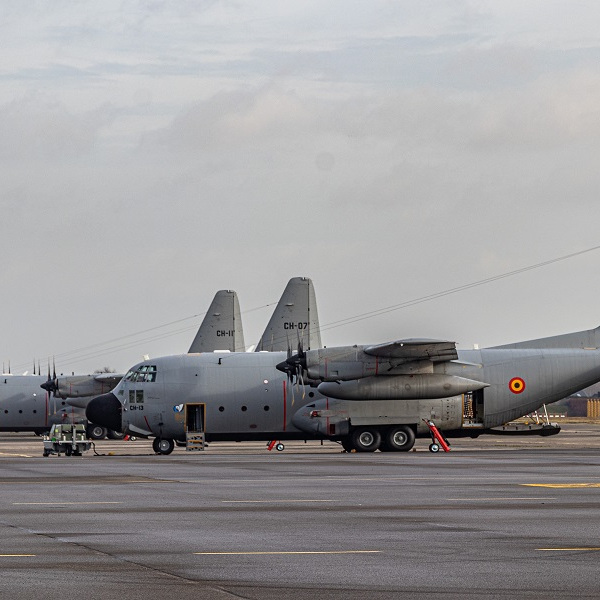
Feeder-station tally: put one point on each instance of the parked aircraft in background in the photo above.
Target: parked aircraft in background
(367, 397)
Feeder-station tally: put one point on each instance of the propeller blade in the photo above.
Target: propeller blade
(50, 385)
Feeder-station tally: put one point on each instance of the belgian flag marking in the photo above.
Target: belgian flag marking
(516, 385)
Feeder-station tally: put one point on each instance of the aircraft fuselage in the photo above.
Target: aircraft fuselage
(245, 397)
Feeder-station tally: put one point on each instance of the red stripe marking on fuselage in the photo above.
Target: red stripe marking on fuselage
(284, 403)
(145, 419)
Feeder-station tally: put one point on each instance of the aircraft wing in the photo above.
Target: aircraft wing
(109, 378)
(415, 349)
(84, 386)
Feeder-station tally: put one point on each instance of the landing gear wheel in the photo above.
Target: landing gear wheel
(347, 444)
(365, 439)
(434, 447)
(95, 432)
(399, 439)
(279, 447)
(155, 447)
(165, 446)
(114, 435)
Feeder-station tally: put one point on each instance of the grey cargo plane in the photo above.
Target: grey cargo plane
(367, 397)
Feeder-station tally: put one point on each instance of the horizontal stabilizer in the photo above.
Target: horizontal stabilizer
(585, 340)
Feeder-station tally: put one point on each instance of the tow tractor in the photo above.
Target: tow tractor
(70, 440)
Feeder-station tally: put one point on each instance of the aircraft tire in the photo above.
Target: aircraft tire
(114, 435)
(96, 432)
(347, 444)
(155, 443)
(365, 439)
(399, 439)
(165, 446)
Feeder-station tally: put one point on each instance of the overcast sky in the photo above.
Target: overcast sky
(152, 153)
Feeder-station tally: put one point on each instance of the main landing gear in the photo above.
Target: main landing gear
(163, 445)
(400, 438)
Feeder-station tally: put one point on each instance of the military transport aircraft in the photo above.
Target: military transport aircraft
(367, 397)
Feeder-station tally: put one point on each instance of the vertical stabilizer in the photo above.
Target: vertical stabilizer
(221, 328)
(295, 319)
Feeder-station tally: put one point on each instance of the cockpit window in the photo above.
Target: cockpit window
(145, 373)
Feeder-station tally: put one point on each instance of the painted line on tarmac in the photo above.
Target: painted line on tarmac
(271, 501)
(17, 455)
(563, 485)
(58, 503)
(290, 552)
(16, 555)
(495, 499)
(583, 549)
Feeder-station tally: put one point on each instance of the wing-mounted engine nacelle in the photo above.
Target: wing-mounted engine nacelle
(81, 386)
(343, 363)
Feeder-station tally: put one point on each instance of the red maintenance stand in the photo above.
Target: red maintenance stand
(437, 439)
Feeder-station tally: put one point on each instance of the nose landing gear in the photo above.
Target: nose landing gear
(163, 445)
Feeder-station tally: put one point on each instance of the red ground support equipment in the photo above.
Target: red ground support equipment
(275, 444)
(437, 439)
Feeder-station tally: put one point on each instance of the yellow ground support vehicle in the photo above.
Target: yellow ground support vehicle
(70, 440)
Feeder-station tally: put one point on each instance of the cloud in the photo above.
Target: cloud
(36, 127)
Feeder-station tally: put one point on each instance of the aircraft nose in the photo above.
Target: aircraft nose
(105, 411)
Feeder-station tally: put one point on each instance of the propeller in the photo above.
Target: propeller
(294, 366)
(51, 385)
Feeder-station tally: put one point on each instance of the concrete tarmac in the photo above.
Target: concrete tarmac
(494, 518)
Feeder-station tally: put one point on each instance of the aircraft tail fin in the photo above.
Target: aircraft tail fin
(294, 319)
(221, 328)
(580, 339)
